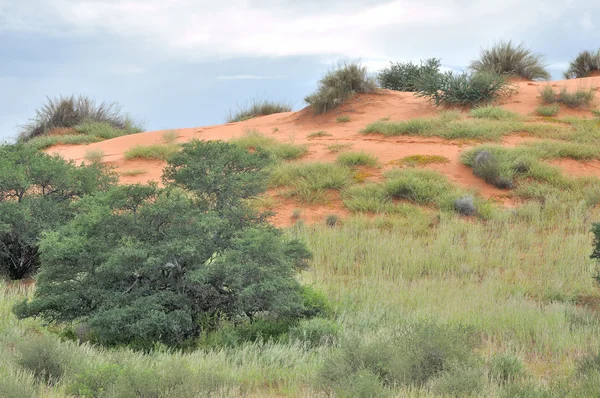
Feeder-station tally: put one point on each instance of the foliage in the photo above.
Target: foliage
(465, 206)
(36, 190)
(357, 159)
(315, 332)
(44, 357)
(332, 220)
(71, 111)
(94, 156)
(494, 113)
(547, 110)
(258, 108)
(162, 264)
(585, 64)
(338, 85)
(254, 140)
(402, 76)
(505, 369)
(151, 152)
(462, 89)
(342, 119)
(506, 58)
(487, 167)
(581, 97)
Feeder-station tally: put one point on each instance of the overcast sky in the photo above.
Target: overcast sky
(184, 63)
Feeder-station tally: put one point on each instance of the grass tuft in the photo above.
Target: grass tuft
(547, 110)
(420, 160)
(342, 119)
(494, 113)
(255, 140)
(357, 159)
(151, 152)
(94, 156)
(318, 134)
(508, 59)
(338, 147)
(585, 64)
(258, 108)
(581, 97)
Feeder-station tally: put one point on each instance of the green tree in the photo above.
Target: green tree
(36, 190)
(142, 264)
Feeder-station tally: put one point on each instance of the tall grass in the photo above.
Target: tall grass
(584, 65)
(258, 108)
(506, 58)
(578, 98)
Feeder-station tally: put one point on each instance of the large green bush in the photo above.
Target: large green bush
(36, 191)
(462, 89)
(142, 264)
(402, 76)
(338, 85)
(508, 59)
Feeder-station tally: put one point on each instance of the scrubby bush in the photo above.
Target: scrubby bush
(581, 97)
(70, 111)
(258, 108)
(462, 89)
(508, 59)
(13, 387)
(465, 206)
(332, 220)
(401, 76)
(487, 167)
(460, 381)
(357, 159)
(338, 85)
(44, 357)
(152, 262)
(505, 369)
(342, 119)
(315, 332)
(95, 381)
(585, 64)
(94, 156)
(412, 356)
(36, 191)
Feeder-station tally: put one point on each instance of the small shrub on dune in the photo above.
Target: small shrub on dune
(487, 167)
(332, 220)
(505, 369)
(465, 206)
(357, 159)
(402, 76)
(579, 98)
(94, 156)
(151, 152)
(70, 111)
(318, 134)
(255, 140)
(340, 84)
(342, 119)
(507, 59)
(462, 89)
(584, 65)
(547, 110)
(258, 108)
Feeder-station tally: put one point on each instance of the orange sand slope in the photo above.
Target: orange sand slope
(362, 109)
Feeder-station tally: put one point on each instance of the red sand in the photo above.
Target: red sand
(362, 109)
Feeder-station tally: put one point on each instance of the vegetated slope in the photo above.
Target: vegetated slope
(384, 105)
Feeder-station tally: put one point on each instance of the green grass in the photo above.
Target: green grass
(133, 173)
(46, 141)
(151, 152)
(342, 119)
(577, 99)
(254, 140)
(309, 182)
(258, 108)
(318, 134)
(104, 130)
(357, 159)
(547, 110)
(494, 113)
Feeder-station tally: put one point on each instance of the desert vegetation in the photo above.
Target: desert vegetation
(339, 84)
(76, 120)
(258, 108)
(403, 76)
(584, 65)
(579, 98)
(505, 58)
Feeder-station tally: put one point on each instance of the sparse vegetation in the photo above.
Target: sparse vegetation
(581, 97)
(507, 59)
(151, 152)
(133, 172)
(342, 119)
(338, 85)
(256, 141)
(332, 220)
(94, 156)
(104, 120)
(463, 89)
(338, 147)
(547, 110)
(353, 159)
(258, 108)
(420, 160)
(402, 76)
(584, 65)
(494, 113)
(318, 134)
(169, 137)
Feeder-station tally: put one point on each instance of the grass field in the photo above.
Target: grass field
(400, 272)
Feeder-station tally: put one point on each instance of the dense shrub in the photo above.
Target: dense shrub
(462, 89)
(36, 191)
(585, 64)
(508, 59)
(44, 357)
(465, 206)
(401, 76)
(71, 111)
(152, 262)
(412, 356)
(258, 108)
(340, 84)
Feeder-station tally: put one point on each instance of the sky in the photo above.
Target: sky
(185, 63)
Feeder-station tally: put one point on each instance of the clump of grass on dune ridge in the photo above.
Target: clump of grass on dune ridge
(579, 98)
(357, 159)
(506, 58)
(100, 120)
(151, 152)
(258, 108)
(338, 85)
(255, 140)
(585, 64)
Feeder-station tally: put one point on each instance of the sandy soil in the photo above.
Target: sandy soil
(362, 109)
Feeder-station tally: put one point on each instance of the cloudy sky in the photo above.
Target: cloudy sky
(183, 63)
